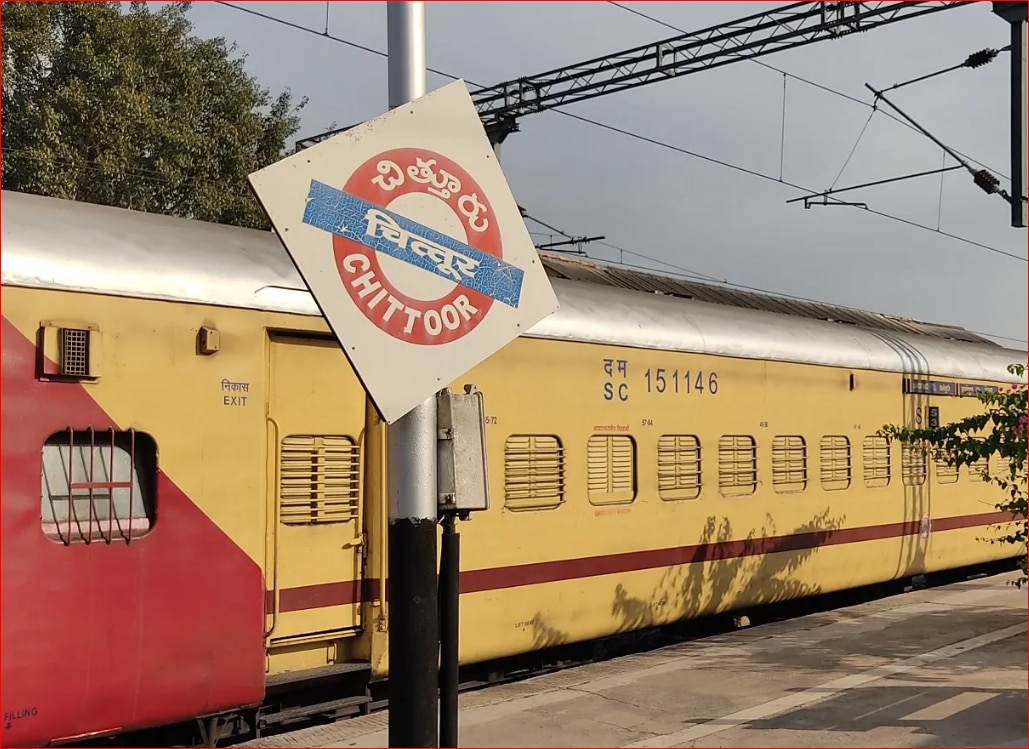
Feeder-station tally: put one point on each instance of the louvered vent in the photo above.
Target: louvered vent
(319, 480)
(678, 467)
(912, 465)
(876, 451)
(534, 472)
(610, 468)
(834, 462)
(737, 465)
(789, 464)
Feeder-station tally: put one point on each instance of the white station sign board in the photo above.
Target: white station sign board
(407, 235)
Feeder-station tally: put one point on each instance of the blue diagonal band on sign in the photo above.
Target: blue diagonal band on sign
(348, 216)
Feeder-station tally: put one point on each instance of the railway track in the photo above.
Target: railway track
(348, 693)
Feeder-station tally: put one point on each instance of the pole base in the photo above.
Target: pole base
(413, 633)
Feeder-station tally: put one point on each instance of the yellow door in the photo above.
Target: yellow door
(316, 419)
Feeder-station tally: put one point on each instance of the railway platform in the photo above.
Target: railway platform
(937, 667)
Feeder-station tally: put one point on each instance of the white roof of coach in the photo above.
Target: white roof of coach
(77, 246)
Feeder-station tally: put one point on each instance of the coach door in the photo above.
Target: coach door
(315, 543)
(914, 478)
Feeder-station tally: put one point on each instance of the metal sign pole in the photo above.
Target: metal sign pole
(449, 620)
(413, 611)
(335, 209)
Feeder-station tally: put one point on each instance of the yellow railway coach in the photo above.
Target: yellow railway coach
(193, 481)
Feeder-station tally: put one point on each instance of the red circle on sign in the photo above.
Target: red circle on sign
(381, 180)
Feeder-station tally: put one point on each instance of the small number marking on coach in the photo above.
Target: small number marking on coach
(524, 625)
(661, 380)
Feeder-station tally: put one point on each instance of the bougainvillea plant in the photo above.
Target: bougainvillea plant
(999, 431)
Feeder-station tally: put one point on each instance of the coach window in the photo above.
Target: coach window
(678, 467)
(978, 468)
(737, 465)
(834, 462)
(946, 473)
(611, 469)
(912, 465)
(789, 464)
(876, 458)
(98, 486)
(534, 472)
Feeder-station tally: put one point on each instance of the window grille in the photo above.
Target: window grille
(834, 462)
(876, 454)
(611, 469)
(319, 479)
(737, 465)
(678, 467)
(789, 464)
(534, 472)
(98, 485)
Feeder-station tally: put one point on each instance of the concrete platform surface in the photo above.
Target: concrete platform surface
(944, 667)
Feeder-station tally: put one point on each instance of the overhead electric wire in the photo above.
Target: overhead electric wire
(693, 275)
(814, 193)
(686, 271)
(324, 34)
(643, 138)
(794, 76)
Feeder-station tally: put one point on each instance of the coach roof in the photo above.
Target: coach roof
(76, 246)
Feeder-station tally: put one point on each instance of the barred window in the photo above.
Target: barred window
(678, 467)
(737, 465)
(876, 450)
(834, 462)
(912, 465)
(979, 467)
(945, 473)
(534, 472)
(789, 464)
(98, 486)
(611, 469)
(319, 479)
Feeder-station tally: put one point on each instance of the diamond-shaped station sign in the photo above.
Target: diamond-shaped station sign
(407, 235)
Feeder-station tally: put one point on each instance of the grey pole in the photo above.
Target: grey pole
(412, 594)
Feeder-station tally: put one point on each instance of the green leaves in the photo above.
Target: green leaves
(129, 109)
(998, 435)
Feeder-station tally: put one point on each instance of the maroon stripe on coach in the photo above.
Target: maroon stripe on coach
(538, 573)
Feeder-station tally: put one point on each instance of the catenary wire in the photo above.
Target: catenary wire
(597, 123)
(801, 79)
(693, 275)
(725, 164)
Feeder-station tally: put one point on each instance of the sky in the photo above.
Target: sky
(682, 213)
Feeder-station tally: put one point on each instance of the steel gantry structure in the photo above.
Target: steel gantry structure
(787, 27)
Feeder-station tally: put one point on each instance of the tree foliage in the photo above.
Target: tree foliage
(128, 108)
(999, 431)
